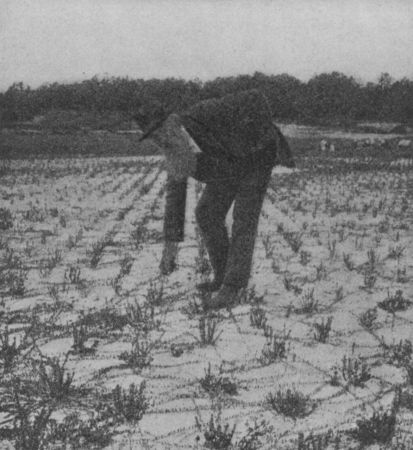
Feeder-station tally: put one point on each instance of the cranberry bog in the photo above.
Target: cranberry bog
(98, 351)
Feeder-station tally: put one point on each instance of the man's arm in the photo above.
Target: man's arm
(174, 222)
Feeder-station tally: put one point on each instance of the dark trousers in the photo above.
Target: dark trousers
(245, 184)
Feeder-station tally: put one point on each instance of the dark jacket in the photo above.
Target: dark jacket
(232, 132)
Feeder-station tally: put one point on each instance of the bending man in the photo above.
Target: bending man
(231, 144)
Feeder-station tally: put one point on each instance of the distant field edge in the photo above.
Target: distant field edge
(19, 145)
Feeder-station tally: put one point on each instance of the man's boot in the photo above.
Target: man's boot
(209, 286)
(227, 297)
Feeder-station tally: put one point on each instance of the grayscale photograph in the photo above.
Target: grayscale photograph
(206, 224)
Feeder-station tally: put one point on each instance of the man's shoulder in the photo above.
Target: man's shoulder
(234, 104)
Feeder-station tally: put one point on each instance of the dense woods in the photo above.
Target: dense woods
(329, 98)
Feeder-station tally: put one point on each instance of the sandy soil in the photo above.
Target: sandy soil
(332, 215)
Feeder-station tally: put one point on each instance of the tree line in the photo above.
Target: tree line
(326, 98)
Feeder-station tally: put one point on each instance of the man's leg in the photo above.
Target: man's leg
(210, 213)
(247, 207)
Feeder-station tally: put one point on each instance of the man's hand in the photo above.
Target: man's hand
(168, 262)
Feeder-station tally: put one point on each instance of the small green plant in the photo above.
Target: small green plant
(317, 442)
(339, 295)
(353, 371)
(132, 404)
(409, 371)
(249, 296)
(76, 432)
(138, 235)
(54, 212)
(394, 303)
(268, 246)
(125, 267)
(9, 350)
(202, 265)
(396, 252)
(216, 435)
(142, 317)
(305, 257)
(43, 237)
(48, 264)
(155, 295)
(6, 219)
(276, 347)
(368, 318)
(80, 337)
(62, 221)
(379, 428)
(372, 260)
(294, 240)
(126, 264)
(399, 354)
(54, 381)
(322, 329)
(95, 253)
(106, 318)
(258, 317)
(321, 272)
(12, 260)
(140, 355)
(30, 429)
(197, 304)
(401, 276)
(217, 384)
(308, 305)
(348, 262)
(291, 286)
(72, 275)
(252, 440)
(55, 291)
(14, 280)
(290, 403)
(3, 244)
(207, 326)
(369, 278)
(70, 242)
(332, 248)
(34, 215)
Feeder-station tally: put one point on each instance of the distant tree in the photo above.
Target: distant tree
(332, 96)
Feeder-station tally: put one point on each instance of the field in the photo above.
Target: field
(98, 351)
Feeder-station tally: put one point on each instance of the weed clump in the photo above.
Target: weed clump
(54, 380)
(294, 240)
(216, 435)
(308, 305)
(399, 354)
(216, 384)
(276, 348)
(6, 219)
(207, 326)
(394, 303)
(9, 350)
(258, 317)
(379, 428)
(132, 404)
(322, 329)
(368, 318)
(140, 355)
(353, 371)
(290, 403)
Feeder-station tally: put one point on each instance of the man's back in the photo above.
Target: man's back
(234, 125)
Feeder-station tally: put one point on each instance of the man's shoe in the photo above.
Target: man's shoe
(209, 286)
(227, 297)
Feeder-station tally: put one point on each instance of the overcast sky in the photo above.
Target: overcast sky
(65, 40)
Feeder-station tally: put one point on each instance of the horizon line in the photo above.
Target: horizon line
(65, 81)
